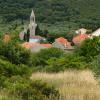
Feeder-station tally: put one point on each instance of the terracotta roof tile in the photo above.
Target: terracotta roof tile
(79, 38)
(28, 45)
(63, 41)
(46, 45)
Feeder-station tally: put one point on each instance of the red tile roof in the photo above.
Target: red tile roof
(46, 45)
(63, 41)
(28, 45)
(79, 38)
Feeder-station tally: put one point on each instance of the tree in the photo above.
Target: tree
(41, 57)
(38, 31)
(68, 61)
(90, 48)
(15, 53)
(96, 65)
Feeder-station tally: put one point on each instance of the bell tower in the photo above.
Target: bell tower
(32, 25)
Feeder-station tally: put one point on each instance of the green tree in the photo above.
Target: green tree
(15, 53)
(69, 61)
(90, 48)
(41, 57)
(96, 65)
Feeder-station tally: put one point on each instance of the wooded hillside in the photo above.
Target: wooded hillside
(51, 10)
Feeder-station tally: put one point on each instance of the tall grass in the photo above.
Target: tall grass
(72, 85)
(4, 95)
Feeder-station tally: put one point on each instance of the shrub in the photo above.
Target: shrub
(2, 79)
(96, 66)
(29, 90)
(7, 69)
(8, 97)
(41, 57)
(90, 48)
(67, 62)
(15, 53)
(45, 88)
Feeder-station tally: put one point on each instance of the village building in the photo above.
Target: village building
(96, 33)
(78, 39)
(32, 25)
(37, 39)
(21, 35)
(46, 45)
(62, 43)
(35, 47)
(29, 34)
(28, 45)
(38, 47)
(81, 31)
(35, 42)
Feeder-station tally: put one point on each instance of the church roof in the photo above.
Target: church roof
(32, 14)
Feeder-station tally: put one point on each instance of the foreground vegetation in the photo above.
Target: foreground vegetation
(50, 74)
(72, 84)
(17, 65)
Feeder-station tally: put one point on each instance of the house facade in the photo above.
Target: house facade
(78, 39)
(35, 47)
(62, 43)
(96, 33)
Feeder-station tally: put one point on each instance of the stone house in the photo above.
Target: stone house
(35, 47)
(62, 43)
(78, 39)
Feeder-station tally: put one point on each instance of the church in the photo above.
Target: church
(35, 43)
(29, 34)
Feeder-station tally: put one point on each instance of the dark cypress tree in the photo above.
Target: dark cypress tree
(28, 35)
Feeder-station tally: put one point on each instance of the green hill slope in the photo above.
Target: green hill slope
(50, 10)
(70, 13)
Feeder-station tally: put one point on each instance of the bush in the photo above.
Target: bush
(41, 57)
(15, 53)
(67, 62)
(15, 71)
(7, 69)
(29, 90)
(96, 66)
(2, 79)
(90, 48)
(8, 97)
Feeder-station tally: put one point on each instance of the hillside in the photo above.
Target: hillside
(47, 10)
(69, 14)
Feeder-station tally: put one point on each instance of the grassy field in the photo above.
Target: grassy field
(73, 85)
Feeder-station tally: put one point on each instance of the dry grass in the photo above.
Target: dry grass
(73, 85)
